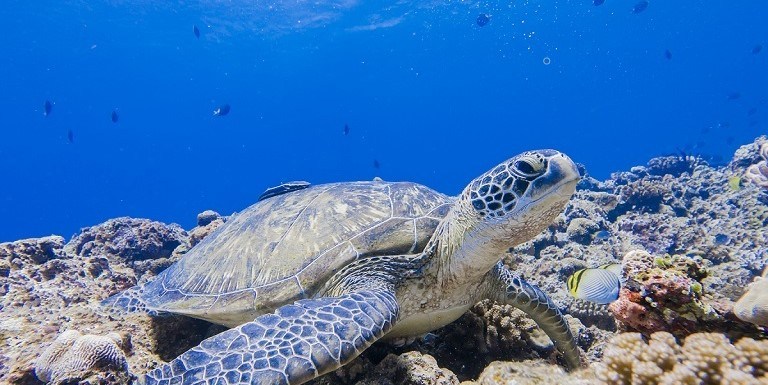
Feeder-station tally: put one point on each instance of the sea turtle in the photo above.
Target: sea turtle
(310, 278)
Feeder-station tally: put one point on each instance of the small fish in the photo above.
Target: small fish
(668, 54)
(640, 6)
(196, 31)
(752, 111)
(721, 239)
(47, 107)
(723, 125)
(346, 129)
(733, 96)
(222, 110)
(70, 136)
(598, 3)
(115, 117)
(753, 123)
(599, 285)
(602, 234)
(376, 164)
(483, 19)
(756, 49)
(734, 183)
(283, 189)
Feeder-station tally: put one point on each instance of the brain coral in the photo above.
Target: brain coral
(73, 356)
(758, 174)
(704, 358)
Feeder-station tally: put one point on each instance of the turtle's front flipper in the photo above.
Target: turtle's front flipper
(509, 288)
(291, 346)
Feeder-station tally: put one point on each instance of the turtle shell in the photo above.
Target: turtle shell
(286, 247)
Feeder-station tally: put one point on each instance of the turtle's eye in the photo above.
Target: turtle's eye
(529, 166)
(525, 167)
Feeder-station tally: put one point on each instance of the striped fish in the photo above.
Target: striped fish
(599, 285)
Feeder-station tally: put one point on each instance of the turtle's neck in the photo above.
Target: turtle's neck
(463, 248)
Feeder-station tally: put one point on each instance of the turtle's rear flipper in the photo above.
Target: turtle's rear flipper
(291, 346)
(128, 301)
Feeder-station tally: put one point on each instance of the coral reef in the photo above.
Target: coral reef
(35, 250)
(663, 211)
(146, 245)
(74, 357)
(757, 174)
(691, 243)
(704, 358)
(666, 294)
(409, 368)
(47, 287)
(207, 221)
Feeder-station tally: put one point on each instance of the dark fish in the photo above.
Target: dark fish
(640, 6)
(376, 164)
(483, 19)
(70, 136)
(753, 123)
(283, 188)
(196, 31)
(47, 107)
(729, 140)
(756, 49)
(733, 96)
(668, 54)
(222, 110)
(346, 129)
(752, 111)
(115, 117)
(598, 2)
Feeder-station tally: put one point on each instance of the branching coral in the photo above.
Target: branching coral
(703, 359)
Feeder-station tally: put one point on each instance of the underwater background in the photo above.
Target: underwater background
(427, 94)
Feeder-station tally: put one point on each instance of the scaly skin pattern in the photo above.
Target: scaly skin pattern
(295, 344)
(506, 286)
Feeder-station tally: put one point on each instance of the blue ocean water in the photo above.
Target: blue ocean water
(428, 96)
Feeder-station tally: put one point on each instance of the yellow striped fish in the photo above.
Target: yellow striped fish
(599, 285)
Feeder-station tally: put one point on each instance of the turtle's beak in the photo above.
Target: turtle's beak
(560, 179)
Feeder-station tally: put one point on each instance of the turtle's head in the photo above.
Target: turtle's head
(502, 208)
(520, 197)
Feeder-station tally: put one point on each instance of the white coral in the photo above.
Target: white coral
(73, 355)
(758, 173)
(753, 305)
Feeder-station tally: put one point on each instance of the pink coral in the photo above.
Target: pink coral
(663, 294)
(628, 310)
